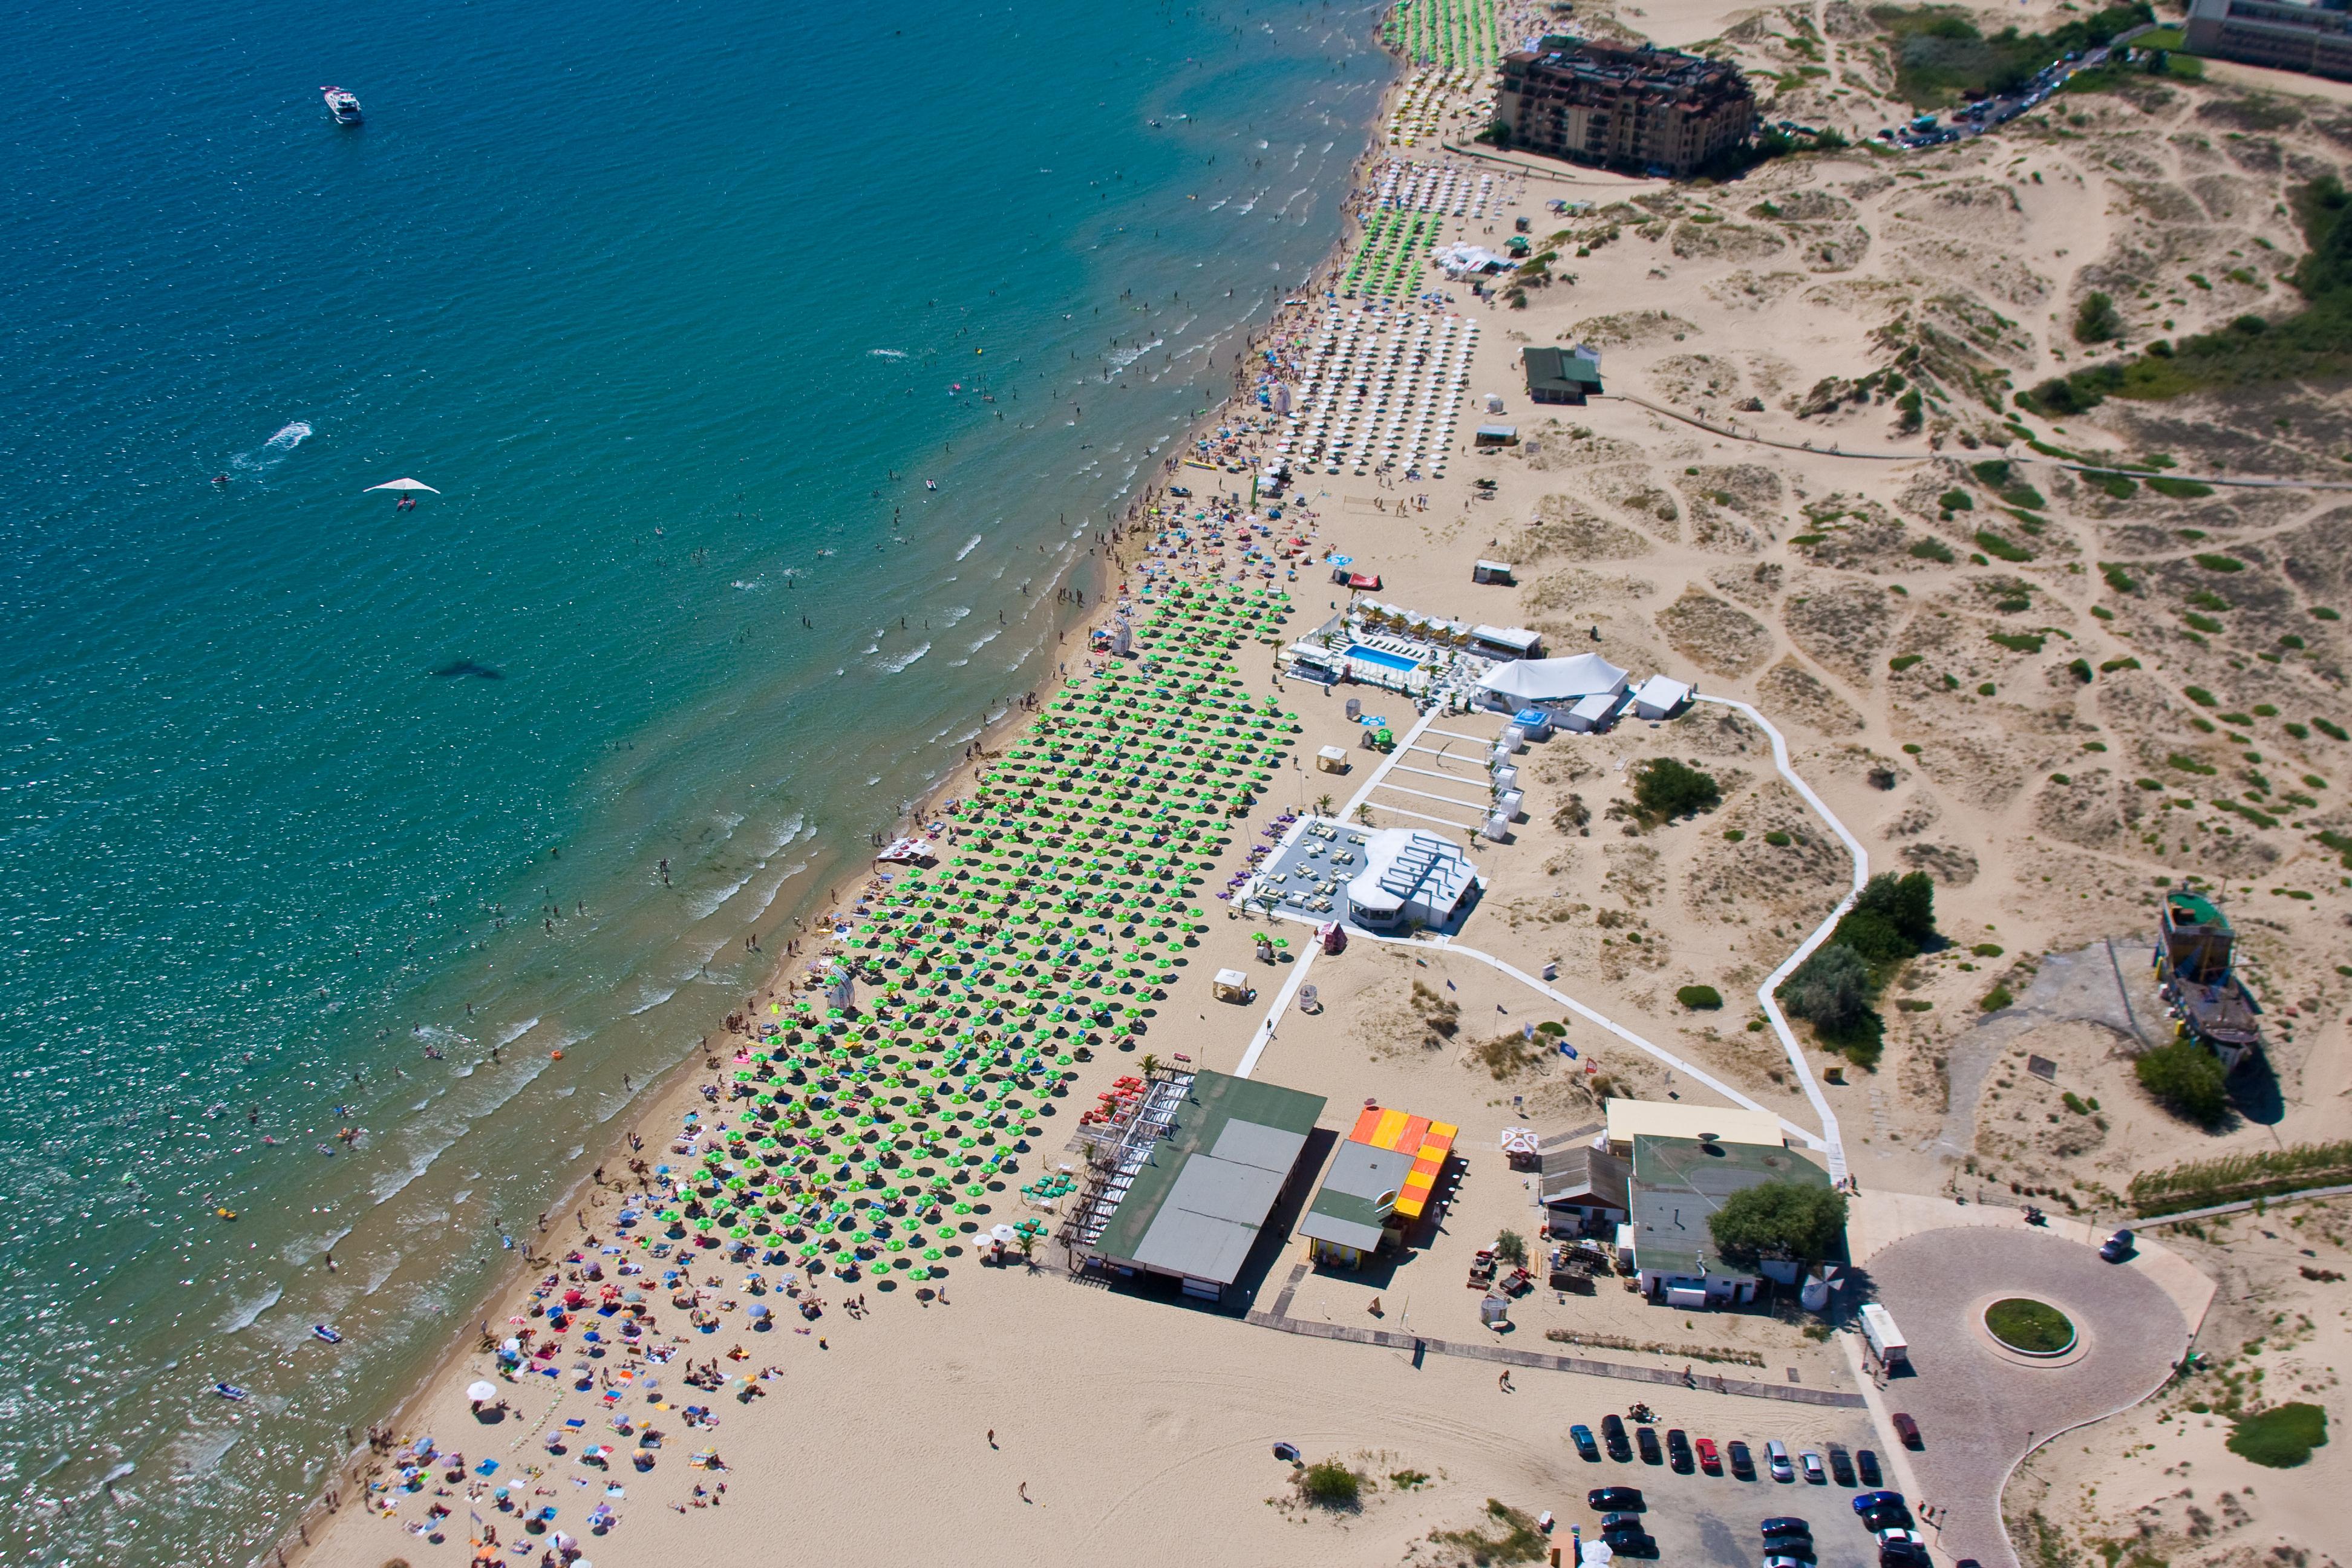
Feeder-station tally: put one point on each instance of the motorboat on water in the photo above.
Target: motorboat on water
(345, 106)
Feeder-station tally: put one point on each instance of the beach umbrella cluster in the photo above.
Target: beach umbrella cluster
(1058, 919)
(1454, 34)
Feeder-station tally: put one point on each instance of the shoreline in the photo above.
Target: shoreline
(669, 1090)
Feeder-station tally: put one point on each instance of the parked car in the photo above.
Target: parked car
(1864, 1502)
(1648, 1439)
(1709, 1459)
(1614, 1500)
(1586, 1449)
(1743, 1463)
(1906, 1429)
(1787, 1560)
(2116, 1247)
(1678, 1450)
(1787, 1549)
(1903, 1554)
(1613, 1432)
(1887, 1517)
(1867, 1463)
(1609, 1521)
(1840, 1466)
(1776, 1455)
(1887, 1538)
(1786, 1524)
(1814, 1474)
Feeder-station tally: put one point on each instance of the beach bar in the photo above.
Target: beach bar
(1187, 1185)
(1382, 1179)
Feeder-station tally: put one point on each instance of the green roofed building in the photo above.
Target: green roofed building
(1189, 1202)
(1355, 1212)
(1560, 376)
(1678, 1183)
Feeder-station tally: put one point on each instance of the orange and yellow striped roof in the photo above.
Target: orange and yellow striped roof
(1427, 1142)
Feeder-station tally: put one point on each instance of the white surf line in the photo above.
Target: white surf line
(1831, 1144)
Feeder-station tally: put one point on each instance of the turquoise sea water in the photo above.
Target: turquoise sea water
(667, 301)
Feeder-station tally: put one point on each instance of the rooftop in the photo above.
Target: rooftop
(1197, 1199)
(1631, 1118)
(1408, 865)
(1359, 1195)
(1679, 1183)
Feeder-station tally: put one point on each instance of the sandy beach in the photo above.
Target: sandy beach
(1754, 508)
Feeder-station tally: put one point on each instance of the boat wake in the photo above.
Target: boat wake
(272, 452)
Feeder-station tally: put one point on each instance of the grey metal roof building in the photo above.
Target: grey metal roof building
(1193, 1204)
(1358, 1197)
(1679, 1183)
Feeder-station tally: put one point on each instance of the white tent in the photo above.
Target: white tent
(1555, 682)
(1659, 696)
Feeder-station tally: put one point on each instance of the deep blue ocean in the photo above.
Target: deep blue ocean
(307, 804)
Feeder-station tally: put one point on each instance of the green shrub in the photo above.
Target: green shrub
(2186, 1080)
(2200, 696)
(2121, 581)
(2018, 642)
(2096, 319)
(1701, 998)
(2330, 729)
(1932, 550)
(1956, 500)
(1733, 835)
(2115, 485)
(1330, 1483)
(1987, 950)
(1665, 788)
(2081, 669)
(1777, 839)
(1902, 662)
(2113, 665)
(2280, 1437)
(1994, 1000)
(2220, 563)
(2178, 489)
(2190, 765)
(2205, 623)
(1999, 548)
(1831, 990)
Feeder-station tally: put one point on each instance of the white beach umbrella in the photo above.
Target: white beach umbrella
(405, 485)
(481, 1391)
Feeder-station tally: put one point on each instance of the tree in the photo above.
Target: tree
(1779, 1219)
(2097, 321)
(1699, 997)
(1512, 1248)
(1665, 788)
(1830, 990)
(1893, 918)
(2186, 1080)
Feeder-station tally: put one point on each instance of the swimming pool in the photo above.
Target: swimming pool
(1386, 661)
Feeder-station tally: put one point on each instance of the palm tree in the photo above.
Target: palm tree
(1323, 805)
(1364, 815)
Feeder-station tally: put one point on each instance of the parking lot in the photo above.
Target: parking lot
(1703, 1519)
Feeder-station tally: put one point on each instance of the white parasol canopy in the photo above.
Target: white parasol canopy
(405, 485)
(481, 1391)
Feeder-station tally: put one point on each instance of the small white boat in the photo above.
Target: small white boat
(326, 1333)
(342, 105)
(228, 1391)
